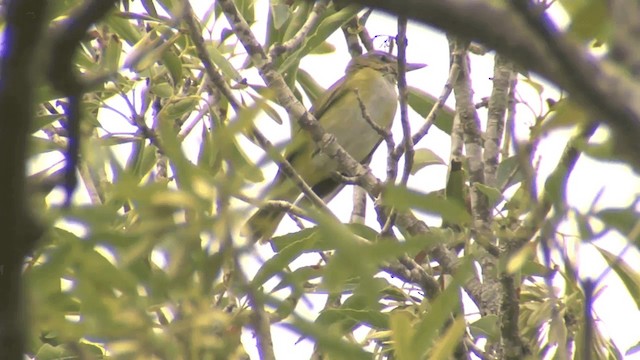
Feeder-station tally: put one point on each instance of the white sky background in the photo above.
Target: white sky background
(614, 306)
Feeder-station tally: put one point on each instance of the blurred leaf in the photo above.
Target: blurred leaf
(48, 352)
(271, 112)
(446, 345)
(222, 62)
(283, 258)
(329, 342)
(440, 311)
(405, 199)
(280, 13)
(173, 64)
(493, 195)
(162, 89)
(124, 29)
(150, 8)
(209, 156)
(300, 276)
(486, 327)
(509, 172)
(324, 48)
(423, 158)
(147, 56)
(634, 349)
(534, 268)
(401, 325)
(629, 276)
(422, 102)
(624, 220)
(246, 8)
(298, 12)
(112, 49)
(176, 107)
(224, 138)
(520, 258)
(362, 307)
(590, 20)
(38, 145)
(539, 88)
(566, 113)
(41, 121)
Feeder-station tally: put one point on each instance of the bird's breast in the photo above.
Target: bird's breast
(346, 120)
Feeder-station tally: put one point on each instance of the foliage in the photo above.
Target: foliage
(148, 261)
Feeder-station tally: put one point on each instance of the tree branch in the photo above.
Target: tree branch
(601, 85)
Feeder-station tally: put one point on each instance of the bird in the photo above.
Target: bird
(369, 79)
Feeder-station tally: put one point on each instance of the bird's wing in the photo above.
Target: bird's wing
(301, 141)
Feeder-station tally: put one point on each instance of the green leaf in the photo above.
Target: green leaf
(493, 195)
(283, 258)
(246, 8)
(297, 18)
(38, 145)
(177, 107)
(629, 276)
(324, 48)
(325, 28)
(446, 345)
(163, 89)
(567, 113)
(423, 158)
(404, 199)
(124, 28)
(173, 64)
(112, 49)
(150, 8)
(280, 13)
(590, 21)
(300, 276)
(534, 84)
(441, 309)
(401, 325)
(422, 102)
(49, 352)
(327, 341)
(223, 64)
(486, 327)
(509, 172)
(209, 156)
(309, 85)
(624, 220)
(270, 111)
(41, 121)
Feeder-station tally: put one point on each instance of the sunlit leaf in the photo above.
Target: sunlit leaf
(423, 158)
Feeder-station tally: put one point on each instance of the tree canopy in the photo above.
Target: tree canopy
(139, 137)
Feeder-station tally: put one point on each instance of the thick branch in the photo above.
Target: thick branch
(24, 24)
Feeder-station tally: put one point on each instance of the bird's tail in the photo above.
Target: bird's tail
(261, 225)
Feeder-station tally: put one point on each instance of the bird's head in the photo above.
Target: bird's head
(380, 61)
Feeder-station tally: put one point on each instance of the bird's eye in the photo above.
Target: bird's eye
(384, 58)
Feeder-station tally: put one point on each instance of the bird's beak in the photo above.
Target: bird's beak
(411, 67)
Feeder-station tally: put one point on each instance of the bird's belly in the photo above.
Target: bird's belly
(353, 132)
